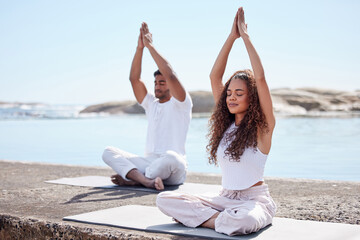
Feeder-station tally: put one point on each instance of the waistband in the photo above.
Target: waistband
(246, 193)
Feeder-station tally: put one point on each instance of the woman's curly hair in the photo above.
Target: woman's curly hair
(246, 133)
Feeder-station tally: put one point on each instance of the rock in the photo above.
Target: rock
(300, 101)
(317, 100)
(20, 104)
(23, 103)
(114, 108)
(203, 101)
(134, 109)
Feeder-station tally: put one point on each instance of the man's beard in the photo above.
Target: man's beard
(161, 94)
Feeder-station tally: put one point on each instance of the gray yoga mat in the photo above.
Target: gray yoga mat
(150, 219)
(105, 182)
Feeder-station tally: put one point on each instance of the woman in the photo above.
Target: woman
(240, 134)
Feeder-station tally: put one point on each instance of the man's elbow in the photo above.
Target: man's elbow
(171, 77)
(133, 79)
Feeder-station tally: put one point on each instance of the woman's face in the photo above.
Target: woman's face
(237, 99)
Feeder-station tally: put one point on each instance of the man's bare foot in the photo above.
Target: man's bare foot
(118, 180)
(138, 177)
(158, 184)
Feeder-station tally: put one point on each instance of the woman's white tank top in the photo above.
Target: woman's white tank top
(245, 173)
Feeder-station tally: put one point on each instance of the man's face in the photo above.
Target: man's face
(161, 89)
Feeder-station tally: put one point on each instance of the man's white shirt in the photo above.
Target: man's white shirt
(168, 124)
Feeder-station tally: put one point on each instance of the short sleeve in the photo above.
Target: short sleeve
(148, 99)
(185, 105)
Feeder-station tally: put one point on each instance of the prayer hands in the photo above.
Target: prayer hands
(146, 35)
(241, 25)
(234, 29)
(239, 28)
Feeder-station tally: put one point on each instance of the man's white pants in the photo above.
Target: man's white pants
(170, 166)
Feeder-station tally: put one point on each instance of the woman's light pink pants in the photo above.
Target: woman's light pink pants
(241, 211)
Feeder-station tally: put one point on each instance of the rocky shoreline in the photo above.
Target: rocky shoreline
(30, 208)
(300, 101)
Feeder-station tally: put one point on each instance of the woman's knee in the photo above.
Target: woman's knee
(237, 225)
(160, 199)
(164, 199)
(250, 224)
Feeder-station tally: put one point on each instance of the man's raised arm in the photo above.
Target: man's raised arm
(138, 86)
(176, 89)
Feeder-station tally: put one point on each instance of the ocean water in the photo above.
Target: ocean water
(303, 147)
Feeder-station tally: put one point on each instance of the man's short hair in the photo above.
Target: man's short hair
(157, 72)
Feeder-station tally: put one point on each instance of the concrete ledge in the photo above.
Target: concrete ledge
(32, 209)
(22, 228)
(27, 228)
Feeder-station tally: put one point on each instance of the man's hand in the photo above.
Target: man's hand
(147, 36)
(140, 41)
(242, 27)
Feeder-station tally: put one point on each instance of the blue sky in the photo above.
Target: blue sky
(65, 52)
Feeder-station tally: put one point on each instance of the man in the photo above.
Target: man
(168, 114)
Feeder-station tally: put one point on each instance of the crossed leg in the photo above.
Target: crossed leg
(137, 178)
(130, 169)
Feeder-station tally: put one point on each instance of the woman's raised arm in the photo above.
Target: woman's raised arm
(217, 72)
(262, 87)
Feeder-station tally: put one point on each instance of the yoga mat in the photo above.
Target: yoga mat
(150, 219)
(105, 182)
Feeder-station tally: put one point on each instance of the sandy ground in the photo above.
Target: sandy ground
(24, 194)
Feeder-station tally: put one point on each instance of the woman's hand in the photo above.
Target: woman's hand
(147, 36)
(241, 25)
(234, 29)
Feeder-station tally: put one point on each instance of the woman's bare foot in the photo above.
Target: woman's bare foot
(210, 223)
(118, 180)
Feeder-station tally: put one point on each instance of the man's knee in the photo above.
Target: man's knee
(174, 160)
(170, 167)
(107, 154)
